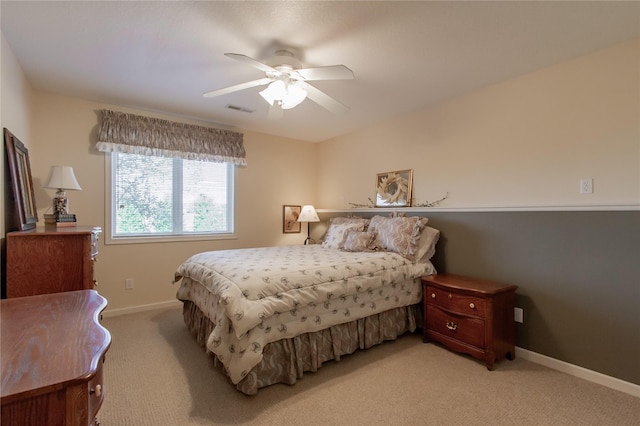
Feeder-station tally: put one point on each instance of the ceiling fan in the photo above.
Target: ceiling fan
(287, 82)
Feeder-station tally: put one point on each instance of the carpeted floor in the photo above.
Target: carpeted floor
(156, 374)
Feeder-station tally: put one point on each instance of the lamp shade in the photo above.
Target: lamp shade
(62, 178)
(308, 214)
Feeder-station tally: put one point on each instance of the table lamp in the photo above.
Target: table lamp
(62, 179)
(308, 214)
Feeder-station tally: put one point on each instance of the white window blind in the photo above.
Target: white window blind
(157, 196)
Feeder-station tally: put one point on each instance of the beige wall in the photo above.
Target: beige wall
(17, 96)
(526, 142)
(279, 171)
(15, 108)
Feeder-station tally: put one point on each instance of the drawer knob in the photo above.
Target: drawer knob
(433, 295)
(472, 305)
(97, 391)
(451, 325)
(450, 296)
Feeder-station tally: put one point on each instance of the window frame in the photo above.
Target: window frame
(142, 239)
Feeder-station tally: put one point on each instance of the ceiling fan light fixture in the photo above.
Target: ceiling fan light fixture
(274, 91)
(288, 95)
(295, 95)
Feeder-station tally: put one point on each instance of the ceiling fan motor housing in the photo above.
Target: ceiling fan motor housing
(284, 58)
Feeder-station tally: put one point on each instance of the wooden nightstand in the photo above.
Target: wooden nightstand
(470, 315)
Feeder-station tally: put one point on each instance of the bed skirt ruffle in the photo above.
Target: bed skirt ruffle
(285, 361)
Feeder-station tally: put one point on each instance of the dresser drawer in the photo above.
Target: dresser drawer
(462, 328)
(96, 391)
(451, 301)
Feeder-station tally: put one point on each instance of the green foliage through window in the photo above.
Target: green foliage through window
(165, 196)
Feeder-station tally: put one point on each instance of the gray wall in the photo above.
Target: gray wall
(577, 272)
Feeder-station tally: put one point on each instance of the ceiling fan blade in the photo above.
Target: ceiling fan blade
(250, 61)
(333, 72)
(325, 100)
(275, 112)
(237, 87)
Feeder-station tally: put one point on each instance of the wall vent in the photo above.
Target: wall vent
(237, 108)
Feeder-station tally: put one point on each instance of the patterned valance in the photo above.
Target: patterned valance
(135, 134)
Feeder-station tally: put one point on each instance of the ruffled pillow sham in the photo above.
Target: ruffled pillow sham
(335, 234)
(355, 240)
(398, 234)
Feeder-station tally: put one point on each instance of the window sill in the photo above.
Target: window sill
(167, 239)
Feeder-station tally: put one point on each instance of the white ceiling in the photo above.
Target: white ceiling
(162, 56)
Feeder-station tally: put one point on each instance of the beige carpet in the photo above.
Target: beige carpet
(156, 374)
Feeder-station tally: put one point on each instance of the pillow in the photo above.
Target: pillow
(352, 219)
(355, 240)
(398, 214)
(398, 234)
(335, 234)
(427, 244)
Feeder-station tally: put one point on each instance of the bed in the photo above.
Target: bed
(269, 314)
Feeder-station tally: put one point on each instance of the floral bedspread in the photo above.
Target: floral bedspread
(260, 295)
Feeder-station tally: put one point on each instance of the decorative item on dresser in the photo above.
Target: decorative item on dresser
(62, 178)
(21, 204)
(470, 315)
(51, 260)
(53, 350)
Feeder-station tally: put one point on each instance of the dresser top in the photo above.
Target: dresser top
(54, 230)
(49, 340)
(459, 282)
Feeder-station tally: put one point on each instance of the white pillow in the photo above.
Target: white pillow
(335, 234)
(427, 244)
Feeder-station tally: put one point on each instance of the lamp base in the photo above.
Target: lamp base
(308, 240)
(60, 203)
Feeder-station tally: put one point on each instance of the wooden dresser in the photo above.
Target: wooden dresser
(470, 315)
(52, 356)
(44, 260)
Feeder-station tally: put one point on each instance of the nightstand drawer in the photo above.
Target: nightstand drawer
(454, 302)
(465, 329)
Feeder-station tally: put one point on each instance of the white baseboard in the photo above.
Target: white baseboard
(583, 373)
(141, 308)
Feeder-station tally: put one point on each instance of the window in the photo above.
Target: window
(159, 197)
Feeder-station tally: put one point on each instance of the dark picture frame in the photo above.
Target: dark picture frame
(393, 189)
(290, 215)
(23, 212)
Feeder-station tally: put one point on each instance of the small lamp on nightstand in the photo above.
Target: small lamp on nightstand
(62, 178)
(308, 214)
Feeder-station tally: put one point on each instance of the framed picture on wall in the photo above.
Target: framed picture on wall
(21, 209)
(290, 224)
(393, 189)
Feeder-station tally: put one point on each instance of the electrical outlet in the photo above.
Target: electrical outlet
(518, 315)
(586, 186)
(128, 283)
